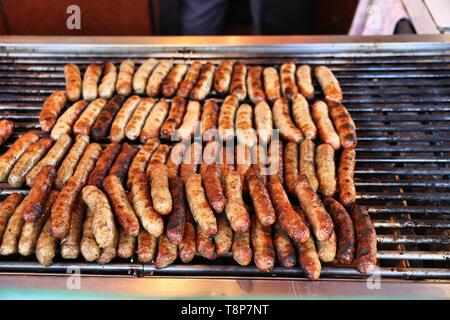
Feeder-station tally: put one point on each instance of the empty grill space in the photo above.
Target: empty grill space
(399, 100)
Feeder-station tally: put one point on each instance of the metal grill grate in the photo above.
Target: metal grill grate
(399, 100)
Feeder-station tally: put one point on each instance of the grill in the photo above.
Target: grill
(398, 94)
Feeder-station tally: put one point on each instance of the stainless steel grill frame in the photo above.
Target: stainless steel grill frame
(396, 88)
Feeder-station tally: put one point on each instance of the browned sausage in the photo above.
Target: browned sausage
(260, 197)
(7, 208)
(117, 132)
(237, 85)
(242, 252)
(88, 245)
(191, 160)
(137, 121)
(90, 81)
(287, 217)
(205, 245)
(245, 132)
(271, 83)
(102, 124)
(344, 229)
(73, 81)
(263, 122)
(126, 71)
(159, 156)
(208, 120)
(283, 122)
(142, 74)
(226, 117)
(157, 77)
(235, 209)
(12, 232)
(212, 180)
(224, 236)
(103, 164)
(167, 252)
(175, 158)
(146, 246)
(255, 85)
(140, 161)
(291, 166)
(222, 76)
(283, 247)
(304, 81)
(51, 109)
(35, 201)
(318, 217)
(287, 75)
(123, 161)
(173, 79)
(65, 123)
(110, 252)
(276, 158)
(319, 113)
(70, 244)
(6, 129)
(46, 246)
(307, 164)
(190, 121)
(346, 171)
(154, 121)
(84, 123)
(107, 85)
(326, 250)
(159, 186)
(204, 83)
(302, 116)
(264, 254)
(176, 222)
(126, 246)
(123, 210)
(189, 80)
(187, 248)
(174, 119)
(366, 240)
(345, 126)
(326, 169)
(329, 84)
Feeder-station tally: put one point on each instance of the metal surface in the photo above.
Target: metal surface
(396, 88)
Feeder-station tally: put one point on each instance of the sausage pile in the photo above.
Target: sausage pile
(146, 159)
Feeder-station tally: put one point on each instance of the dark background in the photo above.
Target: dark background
(154, 17)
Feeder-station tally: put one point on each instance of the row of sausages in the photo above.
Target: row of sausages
(148, 118)
(195, 81)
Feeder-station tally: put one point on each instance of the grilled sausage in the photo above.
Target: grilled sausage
(32, 230)
(211, 153)
(117, 133)
(304, 81)
(7, 208)
(136, 122)
(159, 156)
(244, 126)
(307, 163)
(174, 119)
(191, 160)
(51, 109)
(61, 210)
(12, 232)
(123, 161)
(73, 82)
(126, 246)
(65, 123)
(287, 217)
(159, 186)
(190, 121)
(226, 159)
(318, 217)
(88, 246)
(103, 122)
(260, 197)
(226, 117)
(235, 209)
(190, 79)
(345, 126)
(366, 240)
(271, 83)
(263, 122)
(326, 130)
(199, 206)
(302, 116)
(276, 159)
(264, 254)
(70, 244)
(291, 166)
(212, 180)
(124, 79)
(176, 222)
(167, 252)
(142, 204)
(175, 158)
(173, 79)
(237, 85)
(346, 171)
(283, 247)
(283, 122)
(329, 84)
(326, 169)
(204, 83)
(34, 202)
(46, 246)
(146, 246)
(103, 225)
(208, 120)
(243, 161)
(154, 121)
(205, 245)
(6, 130)
(104, 163)
(287, 75)
(53, 157)
(242, 252)
(17, 149)
(84, 123)
(121, 206)
(27, 161)
(70, 162)
(255, 85)
(108, 83)
(140, 161)
(222, 76)
(156, 79)
(142, 74)
(109, 253)
(90, 81)
(326, 250)
(344, 229)
(224, 236)
(187, 248)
